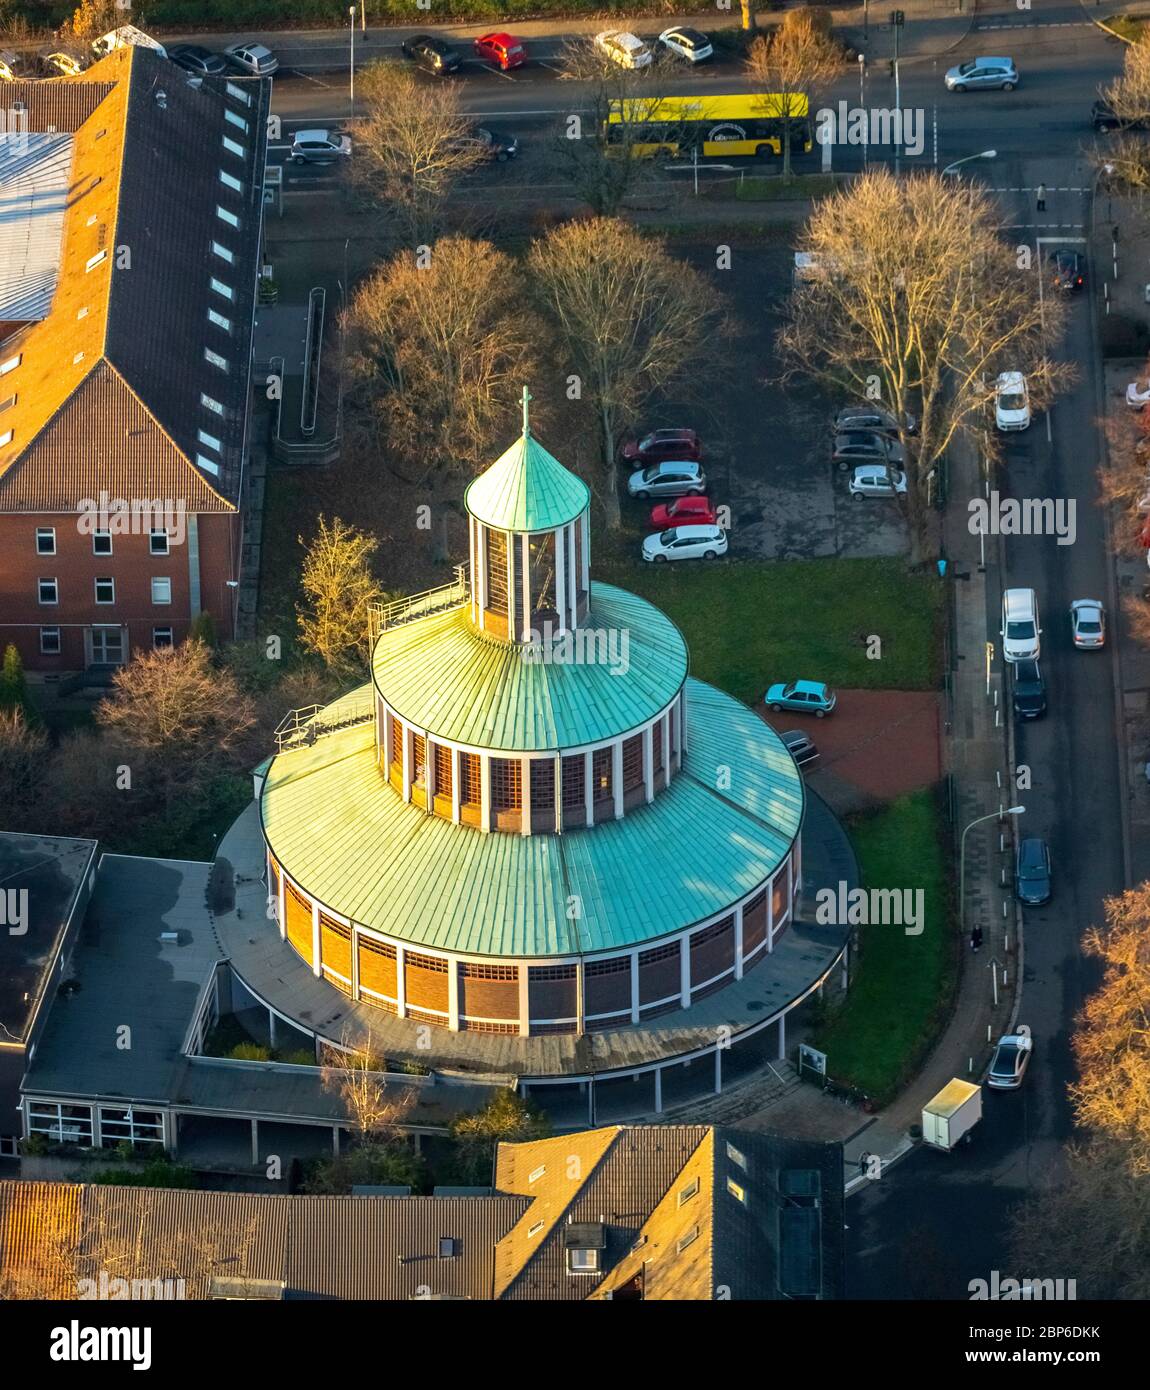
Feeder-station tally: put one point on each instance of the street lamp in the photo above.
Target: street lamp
(351, 69)
(862, 105)
(994, 815)
(985, 154)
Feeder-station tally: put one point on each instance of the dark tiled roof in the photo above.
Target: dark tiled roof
(109, 386)
(319, 1247)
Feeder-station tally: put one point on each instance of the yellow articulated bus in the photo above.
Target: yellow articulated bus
(717, 126)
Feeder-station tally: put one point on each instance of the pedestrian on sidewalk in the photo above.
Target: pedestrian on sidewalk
(975, 937)
(1041, 197)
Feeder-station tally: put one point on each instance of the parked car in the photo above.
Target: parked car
(1032, 876)
(1104, 120)
(319, 146)
(684, 510)
(872, 417)
(686, 43)
(671, 478)
(1088, 623)
(502, 49)
(800, 747)
(251, 57)
(623, 48)
(1011, 1058)
(1069, 270)
(686, 543)
(431, 54)
(867, 446)
(13, 66)
(1011, 403)
(490, 144)
(873, 480)
(193, 57)
(812, 697)
(1020, 632)
(1137, 394)
(62, 64)
(1029, 695)
(664, 444)
(979, 73)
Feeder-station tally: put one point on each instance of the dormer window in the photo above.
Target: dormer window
(210, 403)
(233, 146)
(94, 261)
(10, 365)
(238, 92)
(234, 118)
(229, 181)
(221, 288)
(219, 249)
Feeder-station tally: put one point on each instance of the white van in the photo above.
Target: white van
(1020, 629)
(126, 36)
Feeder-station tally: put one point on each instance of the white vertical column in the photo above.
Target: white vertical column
(473, 561)
(666, 735)
(683, 744)
(525, 562)
(685, 971)
(408, 758)
(316, 961)
(400, 981)
(634, 986)
(479, 578)
(718, 1070)
(524, 1000)
(525, 796)
(453, 994)
(429, 773)
(558, 793)
(509, 541)
(648, 763)
(588, 788)
(281, 905)
(585, 546)
(484, 792)
(658, 1090)
(783, 1038)
(559, 541)
(770, 916)
(456, 779)
(617, 776)
(572, 571)
(739, 942)
(386, 742)
(354, 962)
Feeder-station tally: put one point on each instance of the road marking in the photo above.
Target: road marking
(318, 82)
(550, 67)
(1037, 24)
(1042, 226)
(497, 72)
(1035, 190)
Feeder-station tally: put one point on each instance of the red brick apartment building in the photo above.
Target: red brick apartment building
(129, 261)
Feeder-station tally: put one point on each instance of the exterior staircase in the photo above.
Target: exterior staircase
(746, 1097)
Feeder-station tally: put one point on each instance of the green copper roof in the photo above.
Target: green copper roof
(353, 843)
(526, 489)
(442, 676)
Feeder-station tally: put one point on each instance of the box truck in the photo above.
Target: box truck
(948, 1119)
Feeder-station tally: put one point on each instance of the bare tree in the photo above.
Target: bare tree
(376, 1104)
(797, 62)
(175, 702)
(606, 144)
(24, 757)
(413, 145)
(919, 303)
(439, 347)
(338, 588)
(632, 320)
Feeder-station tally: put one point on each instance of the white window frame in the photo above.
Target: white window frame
(239, 93)
(219, 249)
(93, 261)
(230, 181)
(220, 288)
(48, 602)
(6, 438)
(162, 646)
(593, 1258)
(209, 440)
(104, 579)
(156, 536)
(210, 403)
(231, 218)
(102, 534)
(220, 320)
(56, 1120)
(161, 579)
(50, 651)
(207, 464)
(11, 364)
(215, 359)
(48, 532)
(234, 118)
(234, 147)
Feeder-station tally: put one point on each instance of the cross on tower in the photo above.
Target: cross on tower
(527, 398)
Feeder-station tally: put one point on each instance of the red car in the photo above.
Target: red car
(504, 50)
(663, 446)
(685, 511)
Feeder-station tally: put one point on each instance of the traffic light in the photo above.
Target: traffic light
(897, 19)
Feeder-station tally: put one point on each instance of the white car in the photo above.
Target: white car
(1020, 632)
(871, 480)
(670, 478)
(251, 57)
(1137, 394)
(686, 43)
(1011, 1058)
(319, 146)
(1088, 623)
(686, 543)
(62, 64)
(628, 50)
(1012, 402)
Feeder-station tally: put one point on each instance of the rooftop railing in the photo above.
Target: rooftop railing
(381, 616)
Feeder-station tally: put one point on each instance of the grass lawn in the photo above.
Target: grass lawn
(748, 624)
(766, 190)
(902, 984)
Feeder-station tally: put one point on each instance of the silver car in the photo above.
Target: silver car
(671, 479)
(977, 73)
(251, 57)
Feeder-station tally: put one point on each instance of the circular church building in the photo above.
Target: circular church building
(532, 822)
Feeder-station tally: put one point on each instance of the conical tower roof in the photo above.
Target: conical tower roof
(526, 488)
